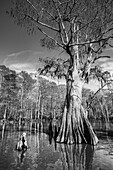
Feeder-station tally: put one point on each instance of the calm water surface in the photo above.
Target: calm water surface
(44, 154)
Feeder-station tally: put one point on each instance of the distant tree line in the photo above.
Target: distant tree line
(23, 97)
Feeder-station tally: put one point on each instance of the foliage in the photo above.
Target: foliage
(83, 26)
(21, 87)
(10, 90)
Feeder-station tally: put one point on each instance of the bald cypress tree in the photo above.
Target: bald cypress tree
(83, 29)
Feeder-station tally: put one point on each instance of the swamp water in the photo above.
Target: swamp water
(45, 154)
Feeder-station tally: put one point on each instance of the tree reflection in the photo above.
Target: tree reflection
(20, 156)
(78, 156)
(3, 129)
(53, 132)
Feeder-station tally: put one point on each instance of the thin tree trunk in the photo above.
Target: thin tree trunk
(31, 112)
(20, 116)
(54, 114)
(21, 99)
(42, 117)
(42, 110)
(20, 121)
(10, 111)
(5, 112)
(36, 111)
(3, 129)
(39, 104)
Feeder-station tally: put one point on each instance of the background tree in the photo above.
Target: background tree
(25, 84)
(8, 92)
(82, 29)
(50, 98)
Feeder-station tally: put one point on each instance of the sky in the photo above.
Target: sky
(20, 51)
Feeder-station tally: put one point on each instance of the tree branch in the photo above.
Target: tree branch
(43, 9)
(88, 22)
(61, 36)
(96, 93)
(96, 58)
(91, 42)
(63, 26)
(62, 3)
(56, 42)
(39, 22)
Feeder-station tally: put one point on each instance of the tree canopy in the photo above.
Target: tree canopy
(85, 25)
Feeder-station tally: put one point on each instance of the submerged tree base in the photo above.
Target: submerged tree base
(78, 135)
(77, 130)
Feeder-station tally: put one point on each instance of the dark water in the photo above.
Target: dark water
(45, 154)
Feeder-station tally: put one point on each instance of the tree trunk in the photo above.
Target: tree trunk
(75, 127)
(39, 105)
(3, 129)
(31, 111)
(5, 112)
(36, 111)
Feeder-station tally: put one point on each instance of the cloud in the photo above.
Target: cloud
(23, 56)
(108, 66)
(93, 85)
(107, 52)
(107, 63)
(28, 60)
(24, 60)
(26, 67)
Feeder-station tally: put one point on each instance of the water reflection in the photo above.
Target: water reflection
(20, 156)
(3, 129)
(45, 154)
(77, 157)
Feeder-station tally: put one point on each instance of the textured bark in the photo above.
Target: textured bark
(75, 127)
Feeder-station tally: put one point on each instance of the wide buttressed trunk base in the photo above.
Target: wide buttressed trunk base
(76, 128)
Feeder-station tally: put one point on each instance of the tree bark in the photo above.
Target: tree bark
(75, 127)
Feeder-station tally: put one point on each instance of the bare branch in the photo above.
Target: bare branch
(74, 3)
(61, 36)
(107, 31)
(39, 22)
(97, 58)
(60, 17)
(32, 5)
(51, 15)
(62, 3)
(43, 9)
(91, 42)
(110, 45)
(88, 22)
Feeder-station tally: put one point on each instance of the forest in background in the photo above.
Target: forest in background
(31, 97)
